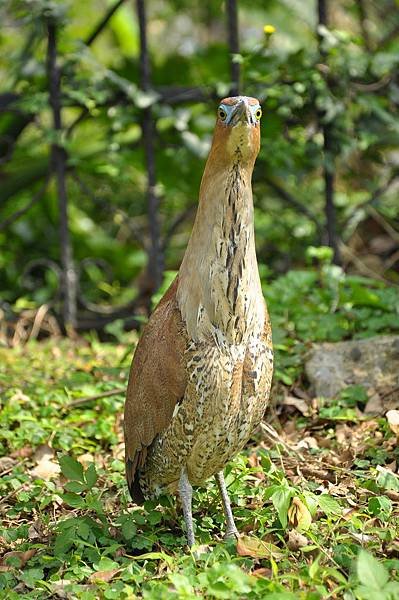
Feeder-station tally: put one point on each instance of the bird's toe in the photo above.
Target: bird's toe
(231, 534)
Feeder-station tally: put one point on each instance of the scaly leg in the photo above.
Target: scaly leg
(186, 495)
(231, 529)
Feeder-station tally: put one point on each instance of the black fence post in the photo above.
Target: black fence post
(58, 167)
(234, 45)
(155, 258)
(329, 162)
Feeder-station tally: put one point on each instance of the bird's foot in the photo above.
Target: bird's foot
(231, 534)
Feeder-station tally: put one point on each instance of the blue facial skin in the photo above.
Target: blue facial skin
(242, 111)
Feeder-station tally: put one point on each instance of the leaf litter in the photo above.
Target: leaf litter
(312, 488)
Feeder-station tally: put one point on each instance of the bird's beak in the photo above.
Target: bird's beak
(241, 114)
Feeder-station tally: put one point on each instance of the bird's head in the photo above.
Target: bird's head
(237, 131)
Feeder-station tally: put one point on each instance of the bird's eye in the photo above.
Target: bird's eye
(222, 114)
(258, 114)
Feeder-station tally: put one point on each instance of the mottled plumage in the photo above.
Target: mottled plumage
(201, 373)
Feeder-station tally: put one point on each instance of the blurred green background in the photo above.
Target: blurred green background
(312, 80)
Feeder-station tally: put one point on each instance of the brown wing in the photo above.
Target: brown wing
(157, 382)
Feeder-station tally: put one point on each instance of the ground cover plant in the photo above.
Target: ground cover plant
(106, 117)
(315, 494)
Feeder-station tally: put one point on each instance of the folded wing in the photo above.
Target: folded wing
(157, 383)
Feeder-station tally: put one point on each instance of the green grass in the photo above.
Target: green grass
(318, 510)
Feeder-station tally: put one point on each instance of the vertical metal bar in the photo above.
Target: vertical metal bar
(329, 162)
(322, 12)
(58, 166)
(155, 258)
(234, 45)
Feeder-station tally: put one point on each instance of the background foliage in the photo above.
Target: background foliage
(316, 499)
(312, 82)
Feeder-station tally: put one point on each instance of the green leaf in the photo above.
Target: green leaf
(75, 486)
(31, 577)
(63, 543)
(380, 506)
(71, 468)
(299, 515)
(73, 500)
(387, 480)
(91, 475)
(366, 593)
(154, 517)
(370, 572)
(281, 501)
(314, 567)
(128, 529)
(329, 505)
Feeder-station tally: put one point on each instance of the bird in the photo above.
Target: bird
(201, 374)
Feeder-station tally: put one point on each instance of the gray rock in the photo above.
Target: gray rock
(372, 362)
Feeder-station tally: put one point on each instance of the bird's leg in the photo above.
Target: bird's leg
(186, 495)
(231, 529)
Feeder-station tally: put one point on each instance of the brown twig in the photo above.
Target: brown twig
(374, 86)
(389, 392)
(363, 268)
(274, 437)
(384, 224)
(87, 399)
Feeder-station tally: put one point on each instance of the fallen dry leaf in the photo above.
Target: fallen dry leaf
(256, 548)
(362, 538)
(36, 531)
(374, 405)
(254, 461)
(24, 452)
(347, 513)
(119, 451)
(308, 443)
(301, 405)
(103, 575)
(22, 557)
(392, 417)
(45, 468)
(6, 463)
(262, 572)
(86, 459)
(60, 589)
(299, 515)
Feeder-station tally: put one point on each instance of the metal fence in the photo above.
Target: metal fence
(68, 270)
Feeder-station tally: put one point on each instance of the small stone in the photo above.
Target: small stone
(371, 362)
(296, 540)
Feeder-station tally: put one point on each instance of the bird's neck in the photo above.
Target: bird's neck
(219, 292)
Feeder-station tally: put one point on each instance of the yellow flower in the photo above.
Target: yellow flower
(269, 29)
